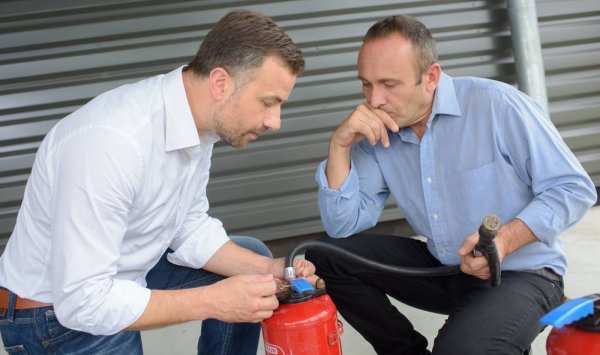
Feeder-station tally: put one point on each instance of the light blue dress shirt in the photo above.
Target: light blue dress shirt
(488, 148)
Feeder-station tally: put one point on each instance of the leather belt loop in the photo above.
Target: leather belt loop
(9, 311)
(7, 304)
(12, 303)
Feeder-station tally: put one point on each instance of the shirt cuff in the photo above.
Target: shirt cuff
(542, 221)
(107, 315)
(349, 185)
(199, 247)
(136, 299)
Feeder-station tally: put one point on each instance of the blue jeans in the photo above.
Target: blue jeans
(37, 331)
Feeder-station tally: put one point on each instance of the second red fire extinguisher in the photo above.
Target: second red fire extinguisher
(576, 327)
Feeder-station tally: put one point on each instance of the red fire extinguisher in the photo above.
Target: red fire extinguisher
(576, 327)
(305, 323)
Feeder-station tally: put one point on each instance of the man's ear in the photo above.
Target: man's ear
(220, 83)
(432, 76)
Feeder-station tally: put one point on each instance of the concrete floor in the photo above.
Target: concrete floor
(582, 245)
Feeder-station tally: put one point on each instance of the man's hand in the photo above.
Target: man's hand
(365, 122)
(477, 265)
(510, 237)
(302, 267)
(243, 298)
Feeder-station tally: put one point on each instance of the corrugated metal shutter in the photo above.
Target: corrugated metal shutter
(570, 34)
(56, 55)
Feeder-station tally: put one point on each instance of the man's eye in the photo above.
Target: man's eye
(366, 84)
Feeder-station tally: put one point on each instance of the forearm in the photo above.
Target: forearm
(338, 165)
(167, 307)
(232, 259)
(512, 236)
(241, 298)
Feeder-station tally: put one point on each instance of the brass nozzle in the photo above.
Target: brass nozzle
(490, 224)
(320, 284)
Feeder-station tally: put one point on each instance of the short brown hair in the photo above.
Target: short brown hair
(240, 41)
(412, 29)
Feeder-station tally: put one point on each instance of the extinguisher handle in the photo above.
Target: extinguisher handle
(571, 311)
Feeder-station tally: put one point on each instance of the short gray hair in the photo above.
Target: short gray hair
(415, 31)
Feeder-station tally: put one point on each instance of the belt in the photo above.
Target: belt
(20, 303)
(547, 273)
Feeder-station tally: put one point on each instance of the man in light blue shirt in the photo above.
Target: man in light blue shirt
(449, 151)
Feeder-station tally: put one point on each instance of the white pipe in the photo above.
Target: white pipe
(529, 63)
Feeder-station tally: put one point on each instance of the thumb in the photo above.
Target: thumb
(468, 244)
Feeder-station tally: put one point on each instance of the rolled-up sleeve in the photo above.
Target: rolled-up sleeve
(199, 238)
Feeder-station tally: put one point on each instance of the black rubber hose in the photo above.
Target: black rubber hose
(487, 247)
(407, 271)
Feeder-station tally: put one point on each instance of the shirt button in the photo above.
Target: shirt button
(444, 250)
(435, 216)
(429, 179)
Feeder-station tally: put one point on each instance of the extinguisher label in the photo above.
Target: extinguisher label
(273, 349)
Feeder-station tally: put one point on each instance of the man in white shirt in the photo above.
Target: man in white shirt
(113, 235)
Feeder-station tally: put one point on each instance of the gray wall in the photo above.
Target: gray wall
(57, 55)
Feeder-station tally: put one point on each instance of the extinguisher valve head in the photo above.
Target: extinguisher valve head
(290, 273)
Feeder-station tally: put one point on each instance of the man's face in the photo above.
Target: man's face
(256, 107)
(387, 70)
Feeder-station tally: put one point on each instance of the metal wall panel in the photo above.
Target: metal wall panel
(570, 34)
(57, 55)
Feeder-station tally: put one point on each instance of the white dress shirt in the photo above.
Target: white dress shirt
(113, 186)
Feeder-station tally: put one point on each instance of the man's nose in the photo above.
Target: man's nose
(273, 121)
(376, 97)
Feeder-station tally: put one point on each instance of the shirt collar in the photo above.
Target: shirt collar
(445, 101)
(180, 128)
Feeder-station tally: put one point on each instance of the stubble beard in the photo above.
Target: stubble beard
(229, 135)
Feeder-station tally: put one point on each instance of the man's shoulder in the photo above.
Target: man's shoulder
(129, 111)
(473, 82)
(483, 87)
(127, 105)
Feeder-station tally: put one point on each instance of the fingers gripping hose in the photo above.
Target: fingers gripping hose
(487, 247)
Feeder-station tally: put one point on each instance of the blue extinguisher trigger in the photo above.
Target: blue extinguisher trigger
(300, 285)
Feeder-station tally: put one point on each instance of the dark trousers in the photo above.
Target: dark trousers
(481, 319)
